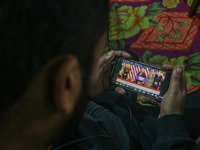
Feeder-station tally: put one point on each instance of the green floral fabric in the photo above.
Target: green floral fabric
(170, 3)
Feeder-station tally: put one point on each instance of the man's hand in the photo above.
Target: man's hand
(100, 80)
(175, 98)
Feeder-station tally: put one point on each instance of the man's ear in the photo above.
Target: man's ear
(67, 84)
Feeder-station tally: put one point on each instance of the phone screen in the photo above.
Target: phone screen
(141, 79)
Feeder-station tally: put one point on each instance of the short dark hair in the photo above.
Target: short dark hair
(32, 32)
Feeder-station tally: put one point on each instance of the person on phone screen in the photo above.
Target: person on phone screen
(141, 74)
(126, 71)
(150, 79)
(157, 80)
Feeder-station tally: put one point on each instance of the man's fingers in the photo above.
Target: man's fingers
(120, 90)
(106, 70)
(168, 67)
(183, 84)
(106, 58)
(147, 100)
(178, 78)
(175, 83)
(123, 54)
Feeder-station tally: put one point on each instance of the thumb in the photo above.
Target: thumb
(106, 58)
(175, 83)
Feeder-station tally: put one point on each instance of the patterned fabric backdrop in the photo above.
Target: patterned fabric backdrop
(159, 32)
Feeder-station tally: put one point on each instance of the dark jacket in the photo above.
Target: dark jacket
(122, 124)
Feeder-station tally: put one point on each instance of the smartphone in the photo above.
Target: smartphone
(144, 79)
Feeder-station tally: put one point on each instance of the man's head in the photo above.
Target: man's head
(142, 69)
(160, 73)
(128, 66)
(151, 72)
(47, 52)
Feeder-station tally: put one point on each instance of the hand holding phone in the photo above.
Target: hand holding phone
(101, 75)
(174, 100)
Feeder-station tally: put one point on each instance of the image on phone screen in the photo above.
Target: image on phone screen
(141, 78)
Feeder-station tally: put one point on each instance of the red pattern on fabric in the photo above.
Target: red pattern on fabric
(147, 39)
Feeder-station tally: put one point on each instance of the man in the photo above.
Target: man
(126, 71)
(45, 79)
(140, 74)
(157, 80)
(150, 79)
(47, 52)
